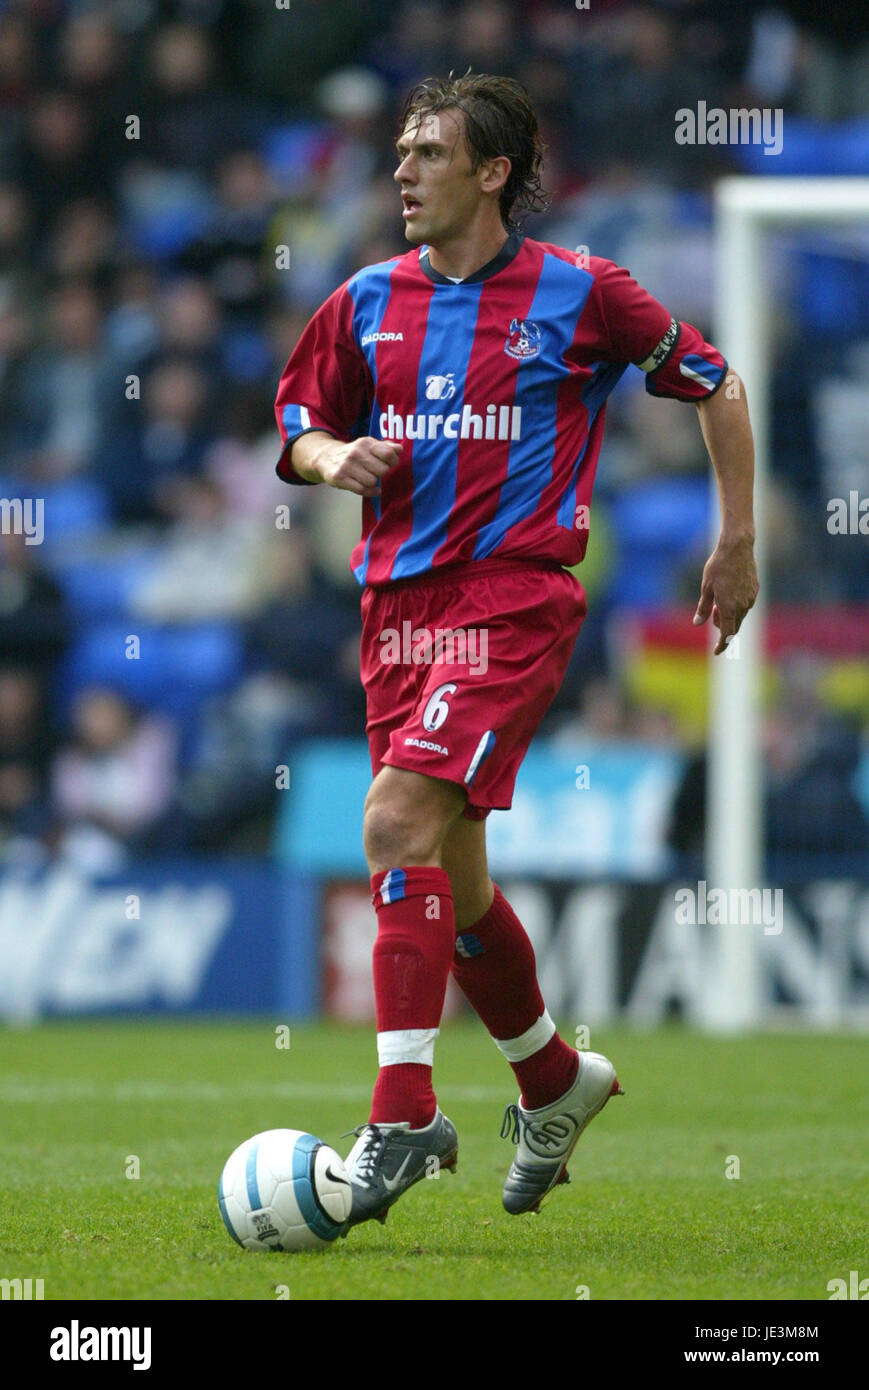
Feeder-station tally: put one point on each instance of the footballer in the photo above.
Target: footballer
(460, 391)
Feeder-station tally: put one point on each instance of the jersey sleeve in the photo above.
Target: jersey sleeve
(325, 384)
(635, 327)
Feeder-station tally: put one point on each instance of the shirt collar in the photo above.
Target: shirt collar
(508, 251)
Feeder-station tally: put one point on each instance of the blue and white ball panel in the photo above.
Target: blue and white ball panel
(284, 1190)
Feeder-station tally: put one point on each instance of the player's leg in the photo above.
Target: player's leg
(407, 816)
(561, 1091)
(495, 967)
(464, 858)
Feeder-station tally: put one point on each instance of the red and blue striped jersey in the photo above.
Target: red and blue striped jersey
(495, 388)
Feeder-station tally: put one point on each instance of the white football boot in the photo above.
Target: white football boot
(547, 1137)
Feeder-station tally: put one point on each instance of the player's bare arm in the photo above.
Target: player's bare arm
(356, 467)
(729, 585)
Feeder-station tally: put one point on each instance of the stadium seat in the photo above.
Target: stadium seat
(811, 148)
(291, 151)
(73, 510)
(832, 289)
(176, 669)
(655, 525)
(102, 587)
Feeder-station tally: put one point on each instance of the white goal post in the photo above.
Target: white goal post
(747, 209)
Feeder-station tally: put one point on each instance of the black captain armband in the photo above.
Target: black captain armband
(664, 351)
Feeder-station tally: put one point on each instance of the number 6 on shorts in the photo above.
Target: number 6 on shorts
(437, 709)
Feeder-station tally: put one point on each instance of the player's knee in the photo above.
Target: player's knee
(395, 835)
(406, 822)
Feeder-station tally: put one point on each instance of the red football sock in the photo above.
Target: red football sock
(495, 967)
(412, 958)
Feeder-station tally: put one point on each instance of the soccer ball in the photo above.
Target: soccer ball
(284, 1190)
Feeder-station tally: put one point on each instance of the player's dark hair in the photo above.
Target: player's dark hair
(499, 120)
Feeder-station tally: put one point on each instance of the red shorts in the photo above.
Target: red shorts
(460, 665)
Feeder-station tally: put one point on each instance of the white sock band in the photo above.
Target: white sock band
(407, 1045)
(531, 1041)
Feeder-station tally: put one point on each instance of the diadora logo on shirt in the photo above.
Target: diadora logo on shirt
(382, 338)
(498, 422)
(524, 339)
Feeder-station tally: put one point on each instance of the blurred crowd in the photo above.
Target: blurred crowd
(177, 632)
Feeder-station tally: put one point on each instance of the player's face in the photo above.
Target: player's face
(440, 193)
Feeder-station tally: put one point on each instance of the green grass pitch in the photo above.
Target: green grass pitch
(650, 1213)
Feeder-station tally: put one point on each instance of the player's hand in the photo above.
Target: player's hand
(728, 588)
(358, 466)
